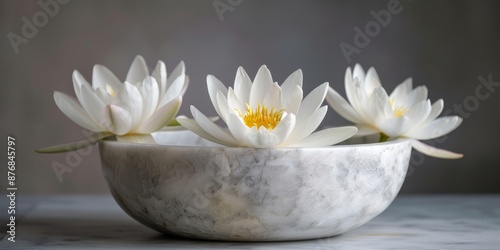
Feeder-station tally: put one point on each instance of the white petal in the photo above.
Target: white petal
(364, 130)
(436, 109)
(294, 100)
(242, 85)
(291, 83)
(262, 138)
(327, 137)
(132, 99)
(233, 102)
(92, 104)
(305, 127)
(395, 126)
(196, 128)
(105, 97)
(212, 128)
(238, 129)
(312, 101)
(214, 86)
(102, 76)
(160, 74)
(359, 73)
(74, 111)
(285, 127)
(351, 88)
(372, 81)
(179, 70)
(161, 117)
(419, 112)
(223, 105)
(117, 119)
(186, 85)
(436, 128)
(400, 92)
(435, 152)
(78, 81)
(341, 106)
(349, 85)
(417, 95)
(150, 95)
(174, 90)
(261, 84)
(78, 78)
(381, 101)
(138, 71)
(273, 97)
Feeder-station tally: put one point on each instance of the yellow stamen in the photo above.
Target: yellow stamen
(398, 111)
(110, 90)
(261, 117)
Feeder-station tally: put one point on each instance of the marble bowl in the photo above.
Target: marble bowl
(188, 187)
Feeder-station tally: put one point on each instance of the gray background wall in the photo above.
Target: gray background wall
(445, 45)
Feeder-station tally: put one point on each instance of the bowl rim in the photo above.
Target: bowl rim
(336, 146)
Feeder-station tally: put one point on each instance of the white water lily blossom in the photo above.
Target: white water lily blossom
(132, 110)
(405, 113)
(262, 114)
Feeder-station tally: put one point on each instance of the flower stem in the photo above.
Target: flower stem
(383, 137)
(72, 146)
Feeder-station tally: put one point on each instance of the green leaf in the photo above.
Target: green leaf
(72, 146)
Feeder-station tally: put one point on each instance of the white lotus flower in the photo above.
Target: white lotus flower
(143, 104)
(263, 115)
(406, 112)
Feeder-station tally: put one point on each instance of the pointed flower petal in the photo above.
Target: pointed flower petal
(74, 111)
(372, 81)
(291, 83)
(261, 84)
(327, 137)
(150, 93)
(212, 128)
(102, 76)
(436, 128)
(312, 101)
(242, 85)
(341, 106)
(306, 126)
(138, 71)
(160, 75)
(179, 70)
(161, 117)
(435, 152)
(117, 119)
(196, 128)
(214, 86)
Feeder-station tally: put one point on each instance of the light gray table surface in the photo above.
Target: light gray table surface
(411, 222)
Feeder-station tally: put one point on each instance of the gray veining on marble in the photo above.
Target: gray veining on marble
(244, 194)
(455, 222)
